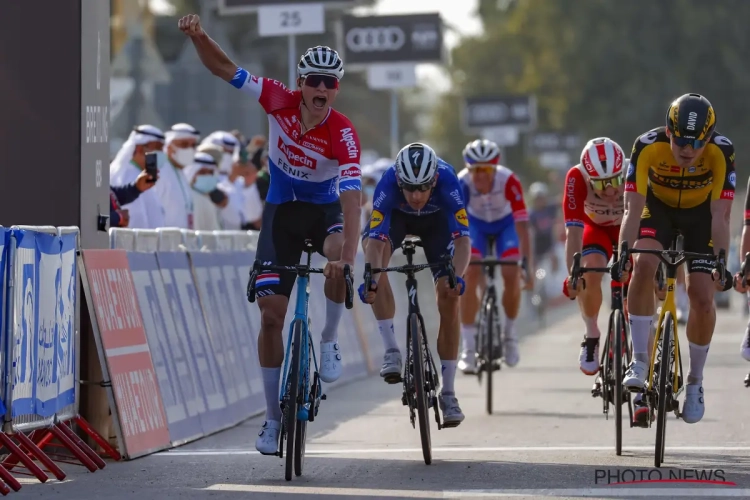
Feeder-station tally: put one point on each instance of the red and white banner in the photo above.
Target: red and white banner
(142, 420)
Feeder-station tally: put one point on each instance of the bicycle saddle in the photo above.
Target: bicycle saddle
(411, 242)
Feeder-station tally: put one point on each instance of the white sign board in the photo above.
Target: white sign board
(391, 76)
(292, 19)
(556, 160)
(503, 136)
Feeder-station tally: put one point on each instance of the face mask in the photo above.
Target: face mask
(205, 183)
(369, 191)
(184, 156)
(226, 164)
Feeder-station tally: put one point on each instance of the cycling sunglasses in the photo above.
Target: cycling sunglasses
(481, 169)
(681, 142)
(419, 187)
(330, 82)
(601, 184)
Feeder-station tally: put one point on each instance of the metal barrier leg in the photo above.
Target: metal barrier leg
(20, 456)
(34, 450)
(74, 449)
(83, 446)
(85, 427)
(4, 490)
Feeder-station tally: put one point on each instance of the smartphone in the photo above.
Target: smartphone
(151, 166)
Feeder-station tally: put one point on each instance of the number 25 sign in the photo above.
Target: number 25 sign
(299, 19)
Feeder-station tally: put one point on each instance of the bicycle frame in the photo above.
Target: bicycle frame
(668, 305)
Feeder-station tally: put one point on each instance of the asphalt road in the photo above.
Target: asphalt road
(547, 438)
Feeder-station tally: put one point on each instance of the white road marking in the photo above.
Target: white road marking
(311, 490)
(461, 449)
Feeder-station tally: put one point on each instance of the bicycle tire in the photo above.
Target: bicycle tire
(415, 334)
(618, 325)
(291, 406)
(301, 429)
(489, 349)
(664, 385)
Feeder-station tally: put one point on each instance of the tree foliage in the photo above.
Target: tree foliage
(603, 68)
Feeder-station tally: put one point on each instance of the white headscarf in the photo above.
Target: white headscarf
(224, 140)
(140, 135)
(200, 160)
(181, 131)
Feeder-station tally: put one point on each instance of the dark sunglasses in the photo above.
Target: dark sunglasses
(413, 188)
(330, 82)
(684, 141)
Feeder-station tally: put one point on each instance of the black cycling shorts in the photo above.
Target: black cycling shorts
(661, 222)
(432, 229)
(283, 232)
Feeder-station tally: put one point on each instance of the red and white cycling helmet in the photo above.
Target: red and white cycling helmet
(603, 158)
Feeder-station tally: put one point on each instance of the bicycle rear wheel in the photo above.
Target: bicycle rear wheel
(290, 409)
(489, 322)
(618, 332)
(664, 388)
(420, 394)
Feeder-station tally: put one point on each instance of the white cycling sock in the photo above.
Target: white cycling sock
(510, 328)
(592, 328)
(388, 334)
(449, 375)
(467, 334)
(271, 378)
(698, 355)
(640, 327)
(330, 331)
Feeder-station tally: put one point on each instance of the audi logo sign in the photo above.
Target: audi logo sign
(416, 38)
(484, 112)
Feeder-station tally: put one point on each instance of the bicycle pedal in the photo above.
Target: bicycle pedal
(323, 397)
(404, 401)
(747, 380)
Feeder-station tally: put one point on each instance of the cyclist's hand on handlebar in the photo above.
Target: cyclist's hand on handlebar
(571, 292)
(625, 276)
(738, 286)
(369, 297)
(528, 279)
(717, 280)
(335, 270)
(454, 292)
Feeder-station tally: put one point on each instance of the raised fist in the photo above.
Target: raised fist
(191, 25)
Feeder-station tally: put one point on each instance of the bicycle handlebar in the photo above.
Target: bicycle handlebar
(407, 268)
(744, 269)
(577, 271)
(299, 270)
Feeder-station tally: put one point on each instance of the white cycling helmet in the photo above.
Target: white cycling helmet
(481, 151)
(321, 60)
(416, 164)
(603, 158)
(538, 189)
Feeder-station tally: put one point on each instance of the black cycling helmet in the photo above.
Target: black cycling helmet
(691, 118)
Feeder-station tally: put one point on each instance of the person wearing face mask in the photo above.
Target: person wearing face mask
(208, 200)
(146, 211)
(173, 188)
(226, 198)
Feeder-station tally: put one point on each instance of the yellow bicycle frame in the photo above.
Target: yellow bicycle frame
(668, 305)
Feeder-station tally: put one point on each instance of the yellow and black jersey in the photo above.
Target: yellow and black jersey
(652, 167)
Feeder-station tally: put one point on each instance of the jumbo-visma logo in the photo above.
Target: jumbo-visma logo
(462, 218)
(375, 219)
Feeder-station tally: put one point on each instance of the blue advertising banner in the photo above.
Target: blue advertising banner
(182, 396)
(67, 285)
(191, 325)
(4, 296)
(222, 329)
(25, 313)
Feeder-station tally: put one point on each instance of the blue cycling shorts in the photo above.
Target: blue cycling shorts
(504, 233)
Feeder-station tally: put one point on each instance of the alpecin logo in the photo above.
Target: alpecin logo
(297, 157)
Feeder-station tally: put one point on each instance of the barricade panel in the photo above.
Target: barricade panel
(5, 296)
(122, 238)
(170, 239)
(190, 240)
(183, 299)
(68, 321)
(124, 352)
(146, 240)
(208, 240)
(183, 399)
(214, 297)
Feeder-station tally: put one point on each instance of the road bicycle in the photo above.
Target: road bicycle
(743, 274)
(421, 379)
(489, 342)
(665, 359)
(299, 396)
(616, 353)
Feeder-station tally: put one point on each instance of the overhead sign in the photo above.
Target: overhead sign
(543, 142)
(500, 111)
(415, 38)
(298, 19)
(391, 76)
(234, 7)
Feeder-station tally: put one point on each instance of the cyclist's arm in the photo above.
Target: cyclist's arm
(380, 222)
(745, 244)
(351, 207)
(213, 58)
(722, 194)
(574, 213)
(347, 153)
(514, 195)
(452, 200)
(461, 255)
(636, 187)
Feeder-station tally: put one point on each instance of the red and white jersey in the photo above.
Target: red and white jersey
(505, 197)
(582, 206)
(307, 167)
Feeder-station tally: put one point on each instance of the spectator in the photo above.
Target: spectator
(230, 181)
(146, 211)
(123, 195)
(254, 181)
(173, 188)
(208, 200)
(230, 209)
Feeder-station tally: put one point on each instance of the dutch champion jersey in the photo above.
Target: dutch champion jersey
(313, 167)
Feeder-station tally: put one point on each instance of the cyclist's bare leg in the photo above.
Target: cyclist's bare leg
(384, 309)
(511, 305)
(469, 307)
(335, 291)
(271, 356)
(681, 296)
(449, 332)
(589, 302)
(701, 320)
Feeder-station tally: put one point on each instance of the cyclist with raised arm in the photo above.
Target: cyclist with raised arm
(313, 156)
(420, 195)
(494, 199)
(681, 178)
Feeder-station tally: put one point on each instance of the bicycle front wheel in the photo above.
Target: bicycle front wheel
(664, 388)
(488, 366)
(420, 393)
(292, 391)
(301, 436)
(618, 333)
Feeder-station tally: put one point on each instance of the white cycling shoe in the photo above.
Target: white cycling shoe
(745, 347)
(468, 362)
(694, 406)
(330, 362)
(635, 377)
(268, 438)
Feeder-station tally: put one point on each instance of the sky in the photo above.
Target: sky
(458, 13)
